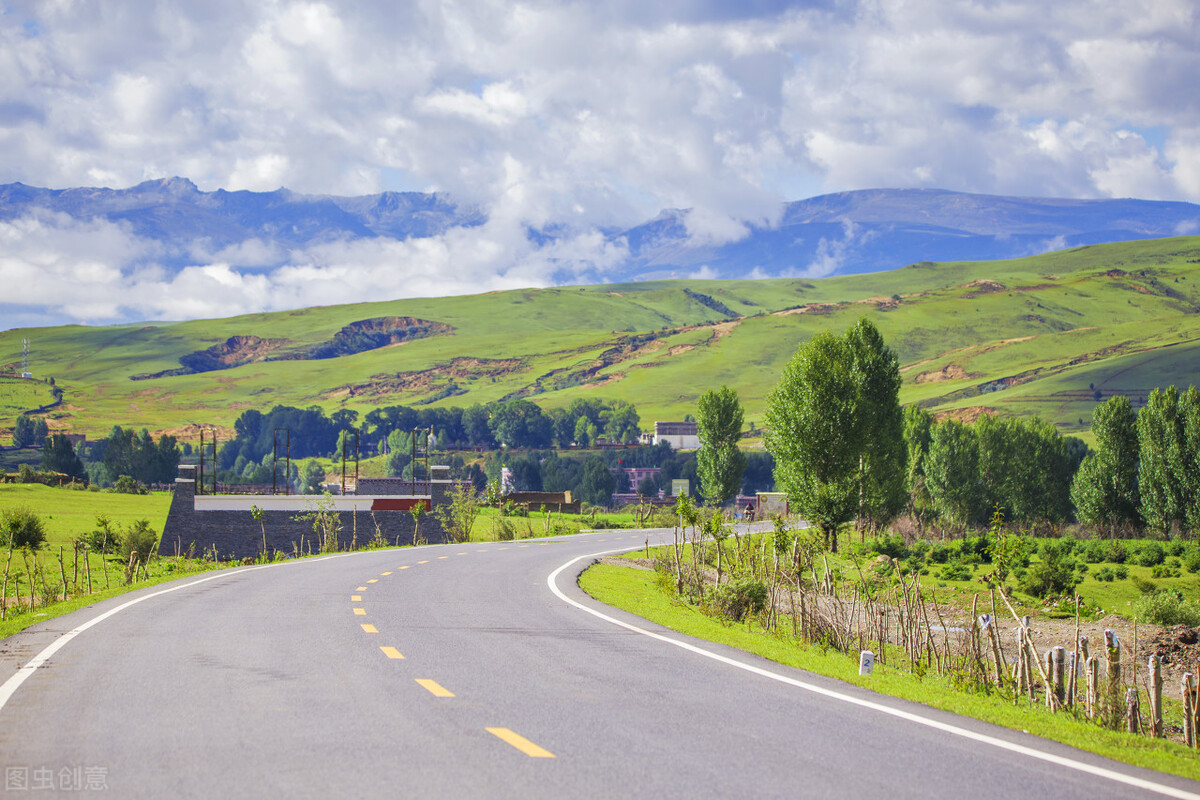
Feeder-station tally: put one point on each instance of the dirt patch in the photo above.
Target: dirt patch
(982, 287)
(680, 348)
(1178, 647)
(968, 415)
(441, 377)
(811, 308)
(950, 372)
(191, 432)
(723, 329)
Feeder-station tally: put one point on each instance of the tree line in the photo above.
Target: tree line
(846, 450)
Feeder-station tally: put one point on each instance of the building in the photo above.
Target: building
(680, 435)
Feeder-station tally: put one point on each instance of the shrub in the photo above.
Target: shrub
(139, 538)
(1149, 554)
(956, 571)
(20, 527)
(1105, 575)
(1164, 571)
(1166, 607)
(1175, 547)
(127, 485)
(891, 546)
(1054, 573)
(920, 548)
(1094, 551)
(1121, 571)
(104, 538)
(1116, 552)
(735, 599)
(939, 553)
(1142, 585)
(974, 550)
(1191, 558)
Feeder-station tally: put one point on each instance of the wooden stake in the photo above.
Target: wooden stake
(1132, 716)
(1156, 684)
(1187, 694)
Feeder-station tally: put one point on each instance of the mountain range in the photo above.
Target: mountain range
(848, 232)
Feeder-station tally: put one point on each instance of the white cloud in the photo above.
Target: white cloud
(589, 115)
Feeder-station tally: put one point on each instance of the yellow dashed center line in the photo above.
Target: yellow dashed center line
(441, 557)
(391, 652)
(361, 589)
(521, 743)
(426, 561)
(356, 598)
(435, 688)
(501, 548)
(385, 573)
(360, 612)
(406, 566)
(460, 554)
(523, 545)
(481, 550)
(373, 580)
(369, 628)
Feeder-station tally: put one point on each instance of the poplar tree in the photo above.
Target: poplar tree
(719, 461)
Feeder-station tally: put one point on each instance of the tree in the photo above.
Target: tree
(815, 433)
(520, 423)
(720, 462)
(314, 476)
(952, 472)
(475, 427)
(1162, 479)
(1105, 489)
(58, 455)
(918, 432)
(881, 494)
(597, 483)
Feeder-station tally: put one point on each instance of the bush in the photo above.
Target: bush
(140, 538)
(891, 546)
(1149, 554)
(1116, 552)
(104, 538)
(1175, 547)
(1166, 607)
(127, 485)
(1191, 558)
(1105, 574)
(1054, 573)
(1094, 551)
(20, 527)
(939, 553)
(1142, 585)
(735, 599)
(1164, 571)
(920, 548)
(956, 571)
(1121, 571)
(974, 550)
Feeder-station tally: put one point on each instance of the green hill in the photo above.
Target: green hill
(1034, 335)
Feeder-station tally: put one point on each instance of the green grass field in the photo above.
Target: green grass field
(1118, 317)
(635, 591)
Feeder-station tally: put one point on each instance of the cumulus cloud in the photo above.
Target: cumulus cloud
(592, 116)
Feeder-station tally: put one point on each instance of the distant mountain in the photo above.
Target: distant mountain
(850, 232)
(880, 229)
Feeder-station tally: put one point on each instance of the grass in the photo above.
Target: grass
(1067, 315)
(635, 591)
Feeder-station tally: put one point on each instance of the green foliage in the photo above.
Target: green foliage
(1053, 573)
(105, 537)
(1166, 607)
(314, 477)
(952, 472)
(139, 538)
(21, 527)
(1148, 554)
(719, 461)
(29, 431)
(127, 485)
(457, 517)
(834, 429)
(956, 572)
(1169, 467)
(322, 516)
(1105, 489)
(890, 546)
(737, 598)
(58, 455)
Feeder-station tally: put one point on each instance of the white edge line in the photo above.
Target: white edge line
(14, 682)
(1062, 761)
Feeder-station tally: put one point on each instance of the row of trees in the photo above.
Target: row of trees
(517, 424)
(30, 431)
(1146, 467)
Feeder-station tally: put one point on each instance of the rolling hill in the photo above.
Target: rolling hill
(1046, 334)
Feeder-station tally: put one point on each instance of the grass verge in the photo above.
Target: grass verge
(634, 590)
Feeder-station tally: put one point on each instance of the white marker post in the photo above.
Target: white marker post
(866, 662)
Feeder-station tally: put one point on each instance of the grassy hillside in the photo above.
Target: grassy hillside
(1034, 335)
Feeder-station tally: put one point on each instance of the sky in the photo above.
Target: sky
(574, 115)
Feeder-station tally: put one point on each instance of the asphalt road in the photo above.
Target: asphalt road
(462, 671)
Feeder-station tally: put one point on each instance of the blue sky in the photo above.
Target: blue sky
(594, 115)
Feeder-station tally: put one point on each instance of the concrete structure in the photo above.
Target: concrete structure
(560, 502)
(224, 522)
(680, 435)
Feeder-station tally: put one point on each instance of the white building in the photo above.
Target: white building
(680, 435)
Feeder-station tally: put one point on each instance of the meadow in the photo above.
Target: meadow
(1040, 335)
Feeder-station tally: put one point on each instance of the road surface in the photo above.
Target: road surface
(470, 670)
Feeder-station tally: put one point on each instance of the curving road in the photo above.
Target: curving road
(476, 670)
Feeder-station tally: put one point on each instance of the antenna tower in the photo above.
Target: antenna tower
(25, 358)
